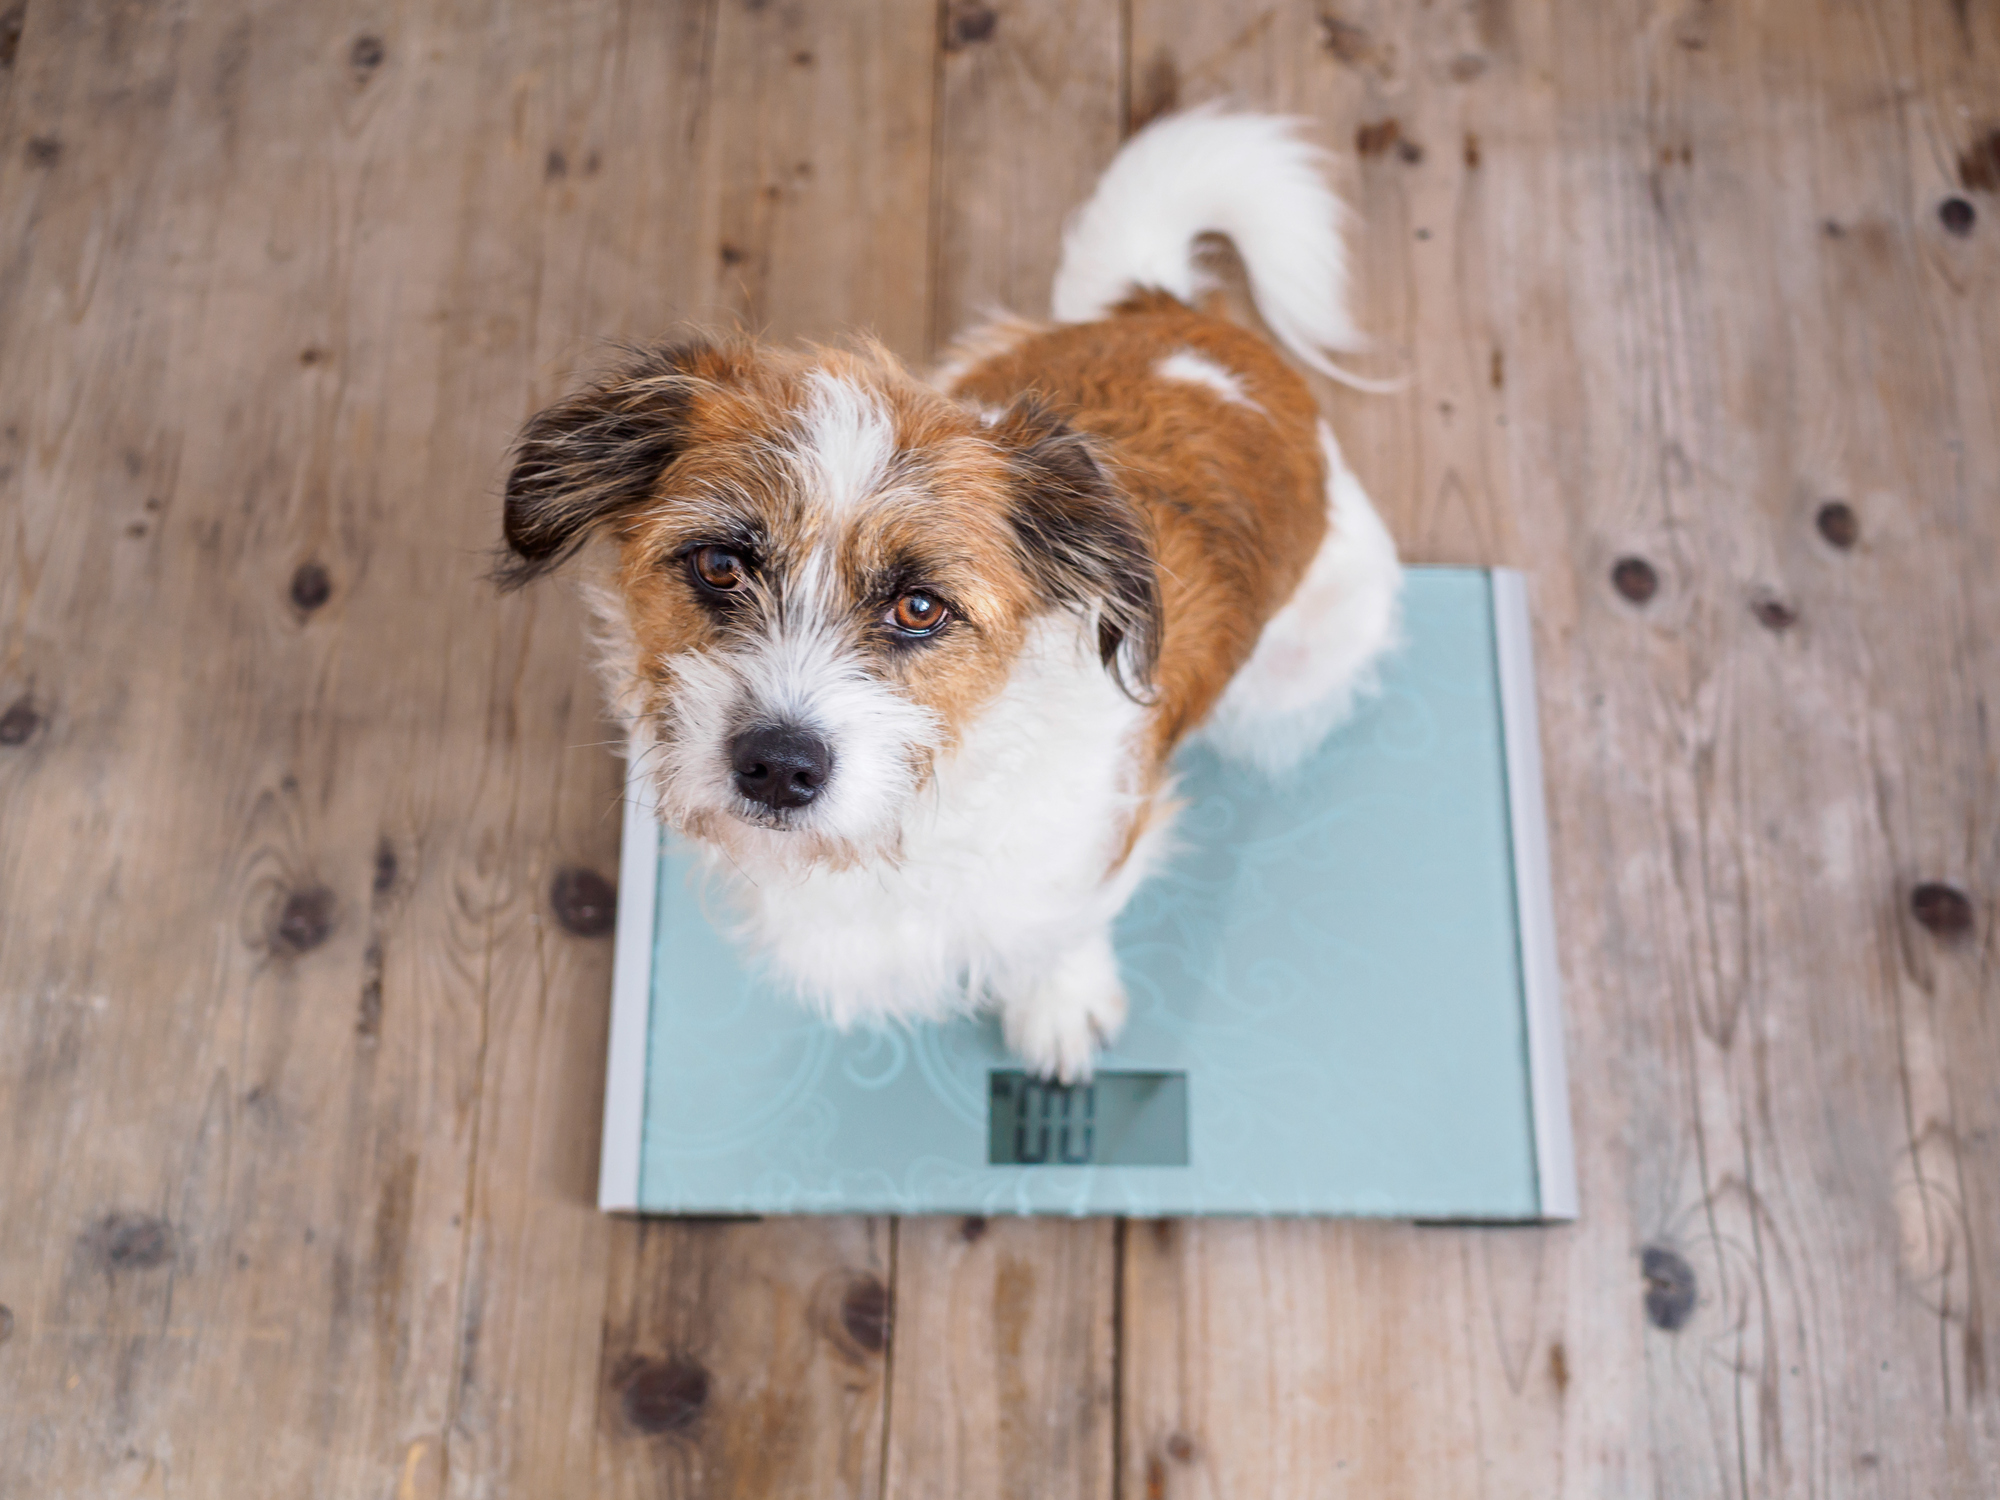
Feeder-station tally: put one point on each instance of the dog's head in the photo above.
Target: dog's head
(825, 570)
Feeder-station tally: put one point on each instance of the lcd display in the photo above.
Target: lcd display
(1115, 1120)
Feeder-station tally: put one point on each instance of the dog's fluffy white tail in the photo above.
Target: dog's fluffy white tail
(1246, 176)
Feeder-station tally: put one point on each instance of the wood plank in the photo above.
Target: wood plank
(788, 1401)
(725, 1368)
(308, 1026)
(1291, 1358)
(1003, 1365)
(171, 1261)
(1608, 258)
(1003, 1382)
(591, 225)
(1330, 1359)
(1944, 842)
(822, 121)
(308, 1071)
(747, 1359)
(1029, 113)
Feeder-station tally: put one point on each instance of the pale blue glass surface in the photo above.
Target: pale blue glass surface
(1333, 961)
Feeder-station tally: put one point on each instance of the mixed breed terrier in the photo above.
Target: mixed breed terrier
(908, 661)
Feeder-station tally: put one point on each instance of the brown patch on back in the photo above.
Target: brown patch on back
(1236, 497)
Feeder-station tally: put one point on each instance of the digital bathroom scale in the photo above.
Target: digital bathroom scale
(1343, 1001)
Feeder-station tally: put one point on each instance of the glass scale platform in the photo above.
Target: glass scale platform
(1344, 1001)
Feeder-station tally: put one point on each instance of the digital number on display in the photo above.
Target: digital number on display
(1115, 1120)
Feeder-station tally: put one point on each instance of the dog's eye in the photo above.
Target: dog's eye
(918, 614)
(718, 568)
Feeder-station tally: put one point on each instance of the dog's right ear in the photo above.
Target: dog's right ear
(589, 459)
(1082, 540)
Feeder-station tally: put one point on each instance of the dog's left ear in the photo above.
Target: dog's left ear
(585, 461)
(1083, 541)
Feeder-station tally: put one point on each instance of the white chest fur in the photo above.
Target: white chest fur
(1006, 858)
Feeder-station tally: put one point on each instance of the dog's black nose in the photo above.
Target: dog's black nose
(780, 765)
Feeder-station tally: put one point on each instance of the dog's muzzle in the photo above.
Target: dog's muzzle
(780, 765)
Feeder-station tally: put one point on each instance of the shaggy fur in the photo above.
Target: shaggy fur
(995, 605)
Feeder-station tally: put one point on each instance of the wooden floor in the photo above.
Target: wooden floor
(301, 1056)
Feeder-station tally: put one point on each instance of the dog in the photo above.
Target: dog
(908, 661)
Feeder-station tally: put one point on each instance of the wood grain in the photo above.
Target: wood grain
(1663, 292)
(1003, 1381)
(1288, 1358)
(300, 1067)
(314, 1146)
(747, 1359)
(1029, 113)
(822, 126)
(683, 180)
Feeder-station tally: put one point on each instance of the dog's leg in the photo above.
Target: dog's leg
(1056, 1022)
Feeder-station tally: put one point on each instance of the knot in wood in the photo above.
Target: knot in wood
(304, 921)
(969, 24)
(1350, 43)
(1979, 164)
(311, 587)
(1670, 1287)
(130, 1242)
(19, 723)
(1634, 579)
(1376, 137)
(385, 868)
(584, 902)
(663, 1395)
(1838, 523)
(1773, 614)
(1957, 216)
(1941, 909)
(864, 1313)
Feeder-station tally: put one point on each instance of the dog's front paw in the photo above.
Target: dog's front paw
(1056, 1023)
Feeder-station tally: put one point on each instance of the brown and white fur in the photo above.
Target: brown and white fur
(1131, 523)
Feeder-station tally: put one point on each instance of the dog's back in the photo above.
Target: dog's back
(1210, 431)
